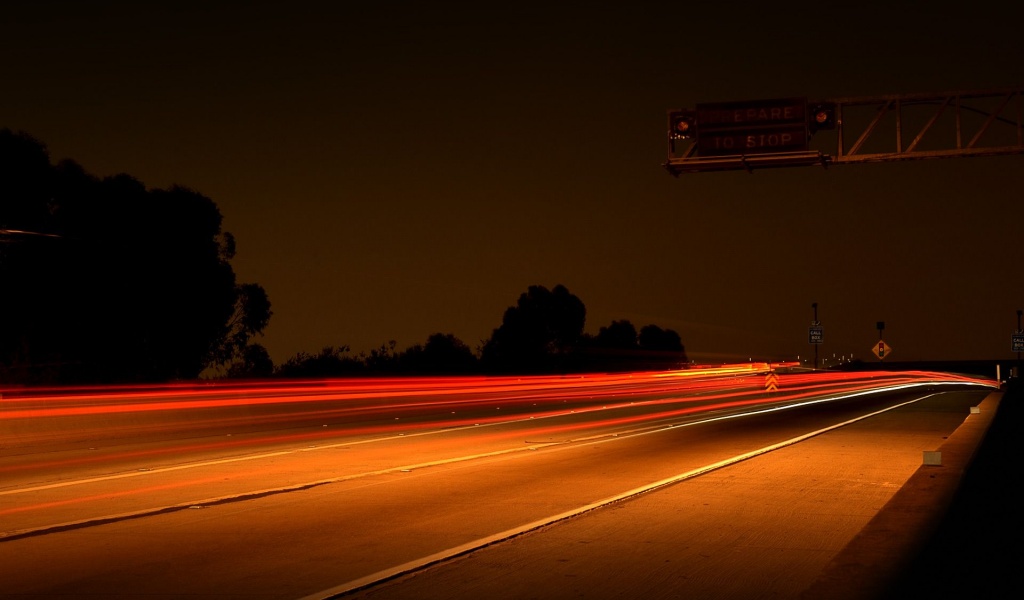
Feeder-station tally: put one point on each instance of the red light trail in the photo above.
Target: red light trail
(72, 455)
(365, 407)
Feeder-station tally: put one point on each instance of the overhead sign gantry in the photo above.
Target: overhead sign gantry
(791, 132)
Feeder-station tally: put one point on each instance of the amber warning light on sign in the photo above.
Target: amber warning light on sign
(823, 116)
(683, 124)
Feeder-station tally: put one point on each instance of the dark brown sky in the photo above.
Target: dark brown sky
(395, 169)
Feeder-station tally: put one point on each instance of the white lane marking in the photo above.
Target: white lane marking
(138, 473)
(627, 433)
(444, 555)
(209, 463)
(307, 485)
(251, 494)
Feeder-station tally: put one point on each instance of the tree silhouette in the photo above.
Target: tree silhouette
(331, 361)
(620, 335)
(657, 339)
(250, 316)
(254, 362)
(382, 359)
(663, 347)
(108, 281)
(442, 354)
(539, 333)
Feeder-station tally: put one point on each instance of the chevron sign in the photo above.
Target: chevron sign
(771, 381)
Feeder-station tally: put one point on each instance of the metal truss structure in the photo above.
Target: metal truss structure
(861, 130)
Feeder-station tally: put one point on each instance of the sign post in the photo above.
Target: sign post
(1017, 341)
(880, 348)
(815, 335)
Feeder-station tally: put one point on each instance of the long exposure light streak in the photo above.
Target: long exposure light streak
(372, 407)
(74, 453)
(437, 426)
(84, 401)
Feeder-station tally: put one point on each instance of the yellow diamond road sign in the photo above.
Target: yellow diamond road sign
(881, 350)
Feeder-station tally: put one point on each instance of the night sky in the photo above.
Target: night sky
(395, 169)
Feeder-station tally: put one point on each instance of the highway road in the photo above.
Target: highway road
(326, 488)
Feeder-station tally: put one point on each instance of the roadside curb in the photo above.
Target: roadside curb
(877, 556)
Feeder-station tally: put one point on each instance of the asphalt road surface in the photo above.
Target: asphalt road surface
(552, 503)
(800, 522)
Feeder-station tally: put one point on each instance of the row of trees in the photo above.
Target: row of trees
(541, 333)
(105, 280)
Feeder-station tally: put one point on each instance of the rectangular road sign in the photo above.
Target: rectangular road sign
(816, 335)
(1017, 342)
(752, 127)
(751, 114)
(788, 138)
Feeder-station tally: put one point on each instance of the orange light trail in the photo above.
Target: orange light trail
(106, 496)
(417, 393)
(363, 409)
(93, 401)
(373, 407)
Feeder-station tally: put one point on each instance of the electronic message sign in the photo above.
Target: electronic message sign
(756, 127)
